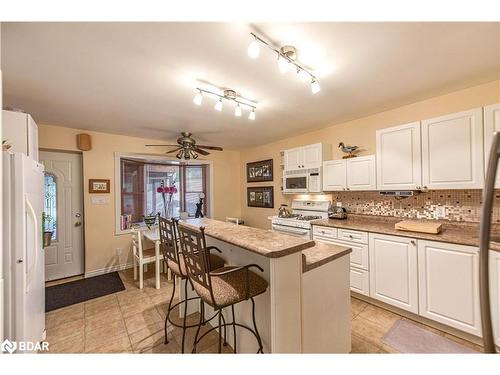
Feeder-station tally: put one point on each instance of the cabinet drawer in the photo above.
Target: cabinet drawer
(359, 255)
(360, 281)
(352, 236)
(325, 232)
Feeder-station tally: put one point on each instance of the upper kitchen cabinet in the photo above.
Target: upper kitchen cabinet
(491, 124)
(306, 157)
(21, 132)
(350, 174)
(398, 157)
(452, 151)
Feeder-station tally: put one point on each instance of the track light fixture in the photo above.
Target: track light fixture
(228, 95)
(287, 58)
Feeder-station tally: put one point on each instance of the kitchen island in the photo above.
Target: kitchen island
(306, 307)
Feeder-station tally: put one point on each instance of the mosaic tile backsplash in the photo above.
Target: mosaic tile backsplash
(458, 205)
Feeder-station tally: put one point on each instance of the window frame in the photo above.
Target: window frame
(154, 158)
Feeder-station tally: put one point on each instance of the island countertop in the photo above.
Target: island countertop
(260, 241)
(322, 253)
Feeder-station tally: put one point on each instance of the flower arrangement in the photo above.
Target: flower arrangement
(167, 193)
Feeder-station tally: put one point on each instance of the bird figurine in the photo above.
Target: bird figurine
(348, 150)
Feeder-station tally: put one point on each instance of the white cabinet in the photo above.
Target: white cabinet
(452, 151)
(399, 158)
(495, 293)
(306, 157)
(21, 131)
(448, 277)
(350, 174)
(334, 175)
(491, 124)
(393, 271)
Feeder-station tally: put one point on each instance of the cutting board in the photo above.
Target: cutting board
(417, 226)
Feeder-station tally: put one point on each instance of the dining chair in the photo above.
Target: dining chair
(142, 257)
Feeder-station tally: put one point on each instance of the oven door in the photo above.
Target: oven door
(292, 231)
(296, 183)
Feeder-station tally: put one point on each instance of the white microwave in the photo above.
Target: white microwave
(302, 181)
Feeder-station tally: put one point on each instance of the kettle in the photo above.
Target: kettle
(283, 211)
(338, 213)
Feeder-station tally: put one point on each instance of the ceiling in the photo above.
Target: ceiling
(139, 79)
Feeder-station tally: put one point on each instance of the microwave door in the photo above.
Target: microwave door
(296, 184)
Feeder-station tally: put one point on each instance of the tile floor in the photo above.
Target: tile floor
(131, 321)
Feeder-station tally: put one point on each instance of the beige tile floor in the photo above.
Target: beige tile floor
(131, 321)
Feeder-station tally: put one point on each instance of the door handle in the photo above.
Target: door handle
(78, 223)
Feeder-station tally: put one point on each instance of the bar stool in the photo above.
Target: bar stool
(220, 288)
(169, 240)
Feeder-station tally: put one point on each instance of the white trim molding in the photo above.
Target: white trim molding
(102, 271)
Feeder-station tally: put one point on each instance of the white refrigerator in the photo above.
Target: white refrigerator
(23, 256)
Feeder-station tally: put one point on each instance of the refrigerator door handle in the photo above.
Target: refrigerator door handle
(31, 271)
(484, 245)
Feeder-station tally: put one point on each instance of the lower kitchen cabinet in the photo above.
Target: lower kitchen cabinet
(360, 281)
(393, 271)
(449, 285)
(495, 293)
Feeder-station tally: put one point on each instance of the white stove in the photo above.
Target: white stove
(299, 222)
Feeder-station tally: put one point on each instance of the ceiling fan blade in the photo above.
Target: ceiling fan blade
(174, 150)
(210, 147)
(200, 151)
(162, 145)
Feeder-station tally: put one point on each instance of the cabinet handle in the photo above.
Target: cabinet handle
(413, 242)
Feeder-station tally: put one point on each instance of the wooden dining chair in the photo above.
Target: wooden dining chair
(142, 257)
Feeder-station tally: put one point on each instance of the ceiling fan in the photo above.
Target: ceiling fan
(187, 148)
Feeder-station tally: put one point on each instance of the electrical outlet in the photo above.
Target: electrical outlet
(339, 204)
(119, 251)
(441, 212)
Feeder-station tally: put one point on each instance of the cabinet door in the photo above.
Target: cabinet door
(15, 131)
(398, 157)
(361, 173)
(491, 124)
(449, 285)
(334, 175)
(32, 129)
(495, 293)
(312, 156)
(294, 158)
(393, 271)
(452, 151)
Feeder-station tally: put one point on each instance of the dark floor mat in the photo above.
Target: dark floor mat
(63, 295)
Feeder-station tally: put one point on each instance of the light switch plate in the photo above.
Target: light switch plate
(339, 204)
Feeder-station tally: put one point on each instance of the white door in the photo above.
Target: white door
(393, 271)
(294, 158)
(334, 175)
(495, 293)
(361, 174)
(491, 124)
(452, 151)
(448, 277)
(312, 155)
(399, 165)
(64, 202)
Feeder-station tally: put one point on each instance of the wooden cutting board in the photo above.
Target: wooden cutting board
(417, 226)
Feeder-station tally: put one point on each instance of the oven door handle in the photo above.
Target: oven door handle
(282, 228)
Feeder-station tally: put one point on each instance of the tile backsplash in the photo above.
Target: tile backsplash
(456, 205)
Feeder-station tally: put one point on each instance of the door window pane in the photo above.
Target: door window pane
(50, 205)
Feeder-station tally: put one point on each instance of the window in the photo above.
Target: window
(141, 179)
(50, 205)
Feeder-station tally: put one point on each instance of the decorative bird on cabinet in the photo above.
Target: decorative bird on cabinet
(348, 150)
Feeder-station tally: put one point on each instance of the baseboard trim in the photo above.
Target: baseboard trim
(102, 271)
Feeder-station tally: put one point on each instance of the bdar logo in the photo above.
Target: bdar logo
(8, 346)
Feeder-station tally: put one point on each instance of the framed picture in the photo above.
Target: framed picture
(260, 196)
(98, 186)
(260, 171)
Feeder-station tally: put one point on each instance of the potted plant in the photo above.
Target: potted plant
(149, 220)
(48, 229)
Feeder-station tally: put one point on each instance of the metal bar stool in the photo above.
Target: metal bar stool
(220, 288)
(175, 262)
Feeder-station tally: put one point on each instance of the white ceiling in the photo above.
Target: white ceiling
(139, 78)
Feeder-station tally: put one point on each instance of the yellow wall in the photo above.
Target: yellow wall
(360, 132)
(100, 241)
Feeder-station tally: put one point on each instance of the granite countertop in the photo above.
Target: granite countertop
(260, 241)
(452, 232)
(322, 253)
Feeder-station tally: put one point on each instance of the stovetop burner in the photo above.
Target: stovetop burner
(308, 217)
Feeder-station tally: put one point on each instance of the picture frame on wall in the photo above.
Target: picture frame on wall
(260, 171)
(98, 185)
(262, 196)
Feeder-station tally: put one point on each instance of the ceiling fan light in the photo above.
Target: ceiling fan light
(251, 115)
(198, 98)
(218, 105)
(283, 64)
(254, 49)
(315, 87)
(237, 110)
(179, 154)
(303, 75)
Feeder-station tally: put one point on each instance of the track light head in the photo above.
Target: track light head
(251, 115)
(218, 105)
(198, 98)
(303, 75)
(315, 87)
(254, 49)
(237, 110)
